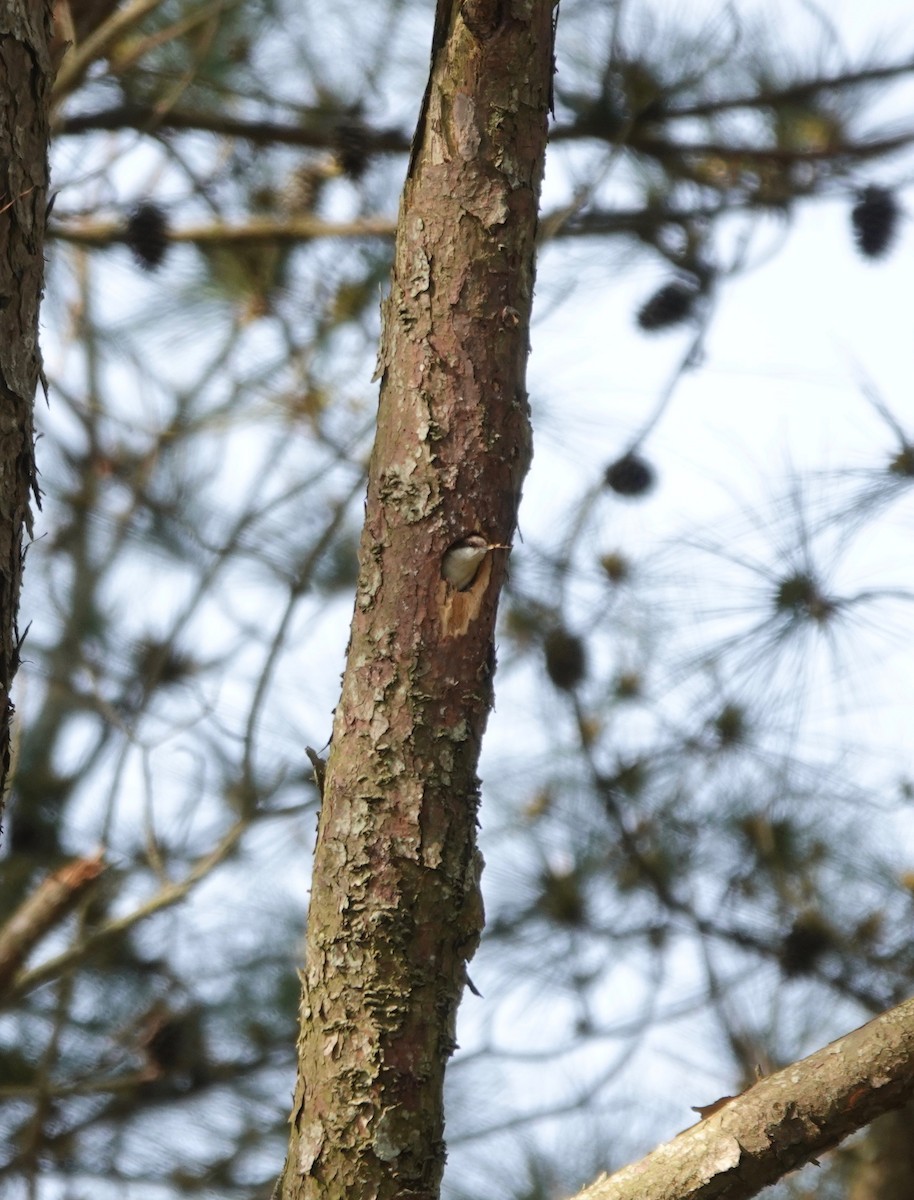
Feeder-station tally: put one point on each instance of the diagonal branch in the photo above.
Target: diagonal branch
(45, 908)
(81, 57)
(782, 1122)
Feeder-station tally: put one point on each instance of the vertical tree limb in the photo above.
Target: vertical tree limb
(25, 93)
(395, 910)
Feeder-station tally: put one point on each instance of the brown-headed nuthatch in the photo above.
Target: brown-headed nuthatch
(463, 559)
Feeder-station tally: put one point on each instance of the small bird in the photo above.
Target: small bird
(463, 559)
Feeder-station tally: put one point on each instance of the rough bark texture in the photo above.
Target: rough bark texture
(395, 910)
(782, 1122)
(25, 90)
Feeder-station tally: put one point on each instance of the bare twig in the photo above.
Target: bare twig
(291, 229)
(54, 897)
(164, 898)
(81, 58)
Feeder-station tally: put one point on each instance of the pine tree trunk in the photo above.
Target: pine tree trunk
(395, 910)
(25, 91)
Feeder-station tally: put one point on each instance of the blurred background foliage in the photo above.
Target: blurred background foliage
(689, 881)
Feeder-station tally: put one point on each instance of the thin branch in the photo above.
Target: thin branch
(164, 898)
(303, 580)
(303, 228)
(322, 135)
(803, 89)
(862, 149)
(80, 58)
(46, 907)
(293, 229)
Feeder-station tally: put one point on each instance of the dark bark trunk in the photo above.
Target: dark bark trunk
(25, 90)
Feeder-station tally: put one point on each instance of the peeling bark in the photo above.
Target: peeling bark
(395, 910)
(782, 1122)
(25, 91)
